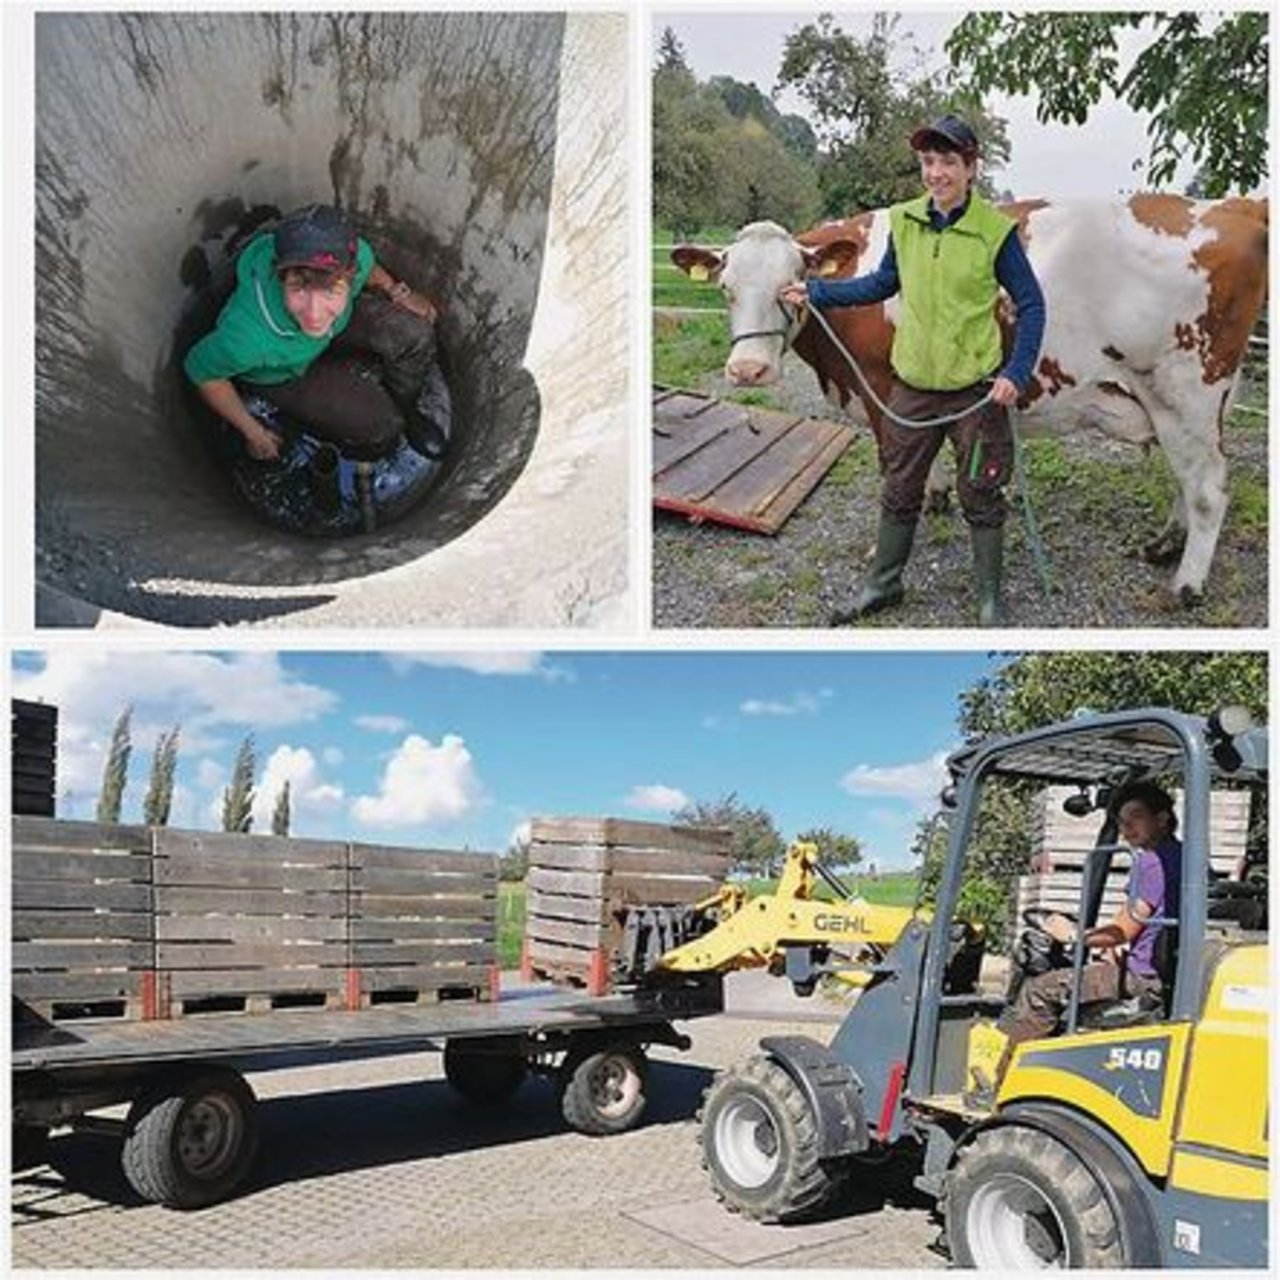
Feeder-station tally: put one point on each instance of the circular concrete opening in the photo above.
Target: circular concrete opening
(158, 137)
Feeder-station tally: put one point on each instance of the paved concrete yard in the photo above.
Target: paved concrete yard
(378, 1164)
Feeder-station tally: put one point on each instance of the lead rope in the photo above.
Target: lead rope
(1039, 554)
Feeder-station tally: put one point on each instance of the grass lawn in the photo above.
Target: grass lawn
(511, 908)
(686, 348)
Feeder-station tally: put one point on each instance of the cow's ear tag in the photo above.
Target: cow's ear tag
(699, 273)
(828, 267)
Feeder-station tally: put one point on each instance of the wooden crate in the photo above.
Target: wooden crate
(247, 922)
(585, 872)
(423, 925)
(81, 920)
(33, 757)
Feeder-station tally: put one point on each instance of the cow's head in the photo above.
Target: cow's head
(762, 260)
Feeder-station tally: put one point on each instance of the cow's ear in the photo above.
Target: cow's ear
(838, 258)
(698, 263)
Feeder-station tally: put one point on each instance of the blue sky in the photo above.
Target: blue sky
(457, 750)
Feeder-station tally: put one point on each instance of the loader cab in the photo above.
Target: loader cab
(1216, 767)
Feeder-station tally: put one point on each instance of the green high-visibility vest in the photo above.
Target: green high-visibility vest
(947, 335)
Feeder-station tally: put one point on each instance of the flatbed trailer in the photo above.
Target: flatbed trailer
(191, 1134)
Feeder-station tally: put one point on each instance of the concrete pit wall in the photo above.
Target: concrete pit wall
(484, 156)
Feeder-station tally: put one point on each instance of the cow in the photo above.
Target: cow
(1150, 303)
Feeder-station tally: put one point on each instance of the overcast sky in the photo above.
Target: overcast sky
(1047, 159)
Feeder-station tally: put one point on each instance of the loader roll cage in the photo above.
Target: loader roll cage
(1098, 751)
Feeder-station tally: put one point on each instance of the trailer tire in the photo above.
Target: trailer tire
(30, 1145)
(1019, 1199)
(602, 1090)
(189, 1141)
(482, 1072)
(760, 1144)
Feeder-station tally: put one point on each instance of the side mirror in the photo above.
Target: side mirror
(949, 796)
(1079, 805)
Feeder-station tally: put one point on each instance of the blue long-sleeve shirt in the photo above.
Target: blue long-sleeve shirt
(1013, 273)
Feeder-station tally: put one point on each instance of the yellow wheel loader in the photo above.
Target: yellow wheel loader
(1135, 1136)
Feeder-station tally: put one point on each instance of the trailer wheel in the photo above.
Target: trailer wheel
(1019, 1199)
(483, 1071)
(190, 1141)
(30, 1144)
(603, 1091)
(760, 1144)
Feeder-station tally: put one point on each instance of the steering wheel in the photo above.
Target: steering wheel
(1037, 950)
(1034, 918)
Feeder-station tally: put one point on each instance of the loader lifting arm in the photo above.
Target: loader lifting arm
(758, 933)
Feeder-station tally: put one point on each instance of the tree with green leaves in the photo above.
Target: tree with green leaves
(865, 112)
(115, 771)
(671, 54)
(755, 847)
(282, 814)
(724, 155)
(164, 764)
(834, 848)
(1034, 689)
(237, 798)
(1202, 78)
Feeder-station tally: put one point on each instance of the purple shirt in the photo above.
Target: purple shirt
(1156, 879)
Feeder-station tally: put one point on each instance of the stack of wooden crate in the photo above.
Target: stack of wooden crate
(33, 740)
(137, 922)
(1062, 843)
(585, 872)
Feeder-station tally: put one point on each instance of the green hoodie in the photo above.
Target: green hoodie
(947, 336)
(256, 338)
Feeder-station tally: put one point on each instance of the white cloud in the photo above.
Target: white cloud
(482, 662)
(209, 773)
(918, 781)
(422, 783)
(521, 835)
(203, 692)
(310, 796)
(332, 755)
(382, 724)
(656, 798)
(800, 703)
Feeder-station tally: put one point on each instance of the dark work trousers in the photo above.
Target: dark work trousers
(1042, 1000)
(983, 447)
(359, 392)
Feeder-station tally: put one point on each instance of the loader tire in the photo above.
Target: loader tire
(760, 1144)
(190, 1141)
(1019, 1199)
(603, 1092)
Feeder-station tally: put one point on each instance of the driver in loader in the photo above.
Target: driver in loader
(1126, 966)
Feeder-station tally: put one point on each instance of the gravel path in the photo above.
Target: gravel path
(1096, 501)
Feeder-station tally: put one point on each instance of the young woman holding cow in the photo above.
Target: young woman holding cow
(948, 255)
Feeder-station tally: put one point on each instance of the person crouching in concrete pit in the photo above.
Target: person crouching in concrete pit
(306, 294)
(949, 253)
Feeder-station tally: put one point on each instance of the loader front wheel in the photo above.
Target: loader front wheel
(1020, 1200)
(760, 1145)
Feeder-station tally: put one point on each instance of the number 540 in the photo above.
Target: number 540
(1141, 1059)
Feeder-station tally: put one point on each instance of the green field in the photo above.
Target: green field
(511, 905)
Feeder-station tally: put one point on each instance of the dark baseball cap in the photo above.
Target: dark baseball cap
(317, 236)
(947, 133)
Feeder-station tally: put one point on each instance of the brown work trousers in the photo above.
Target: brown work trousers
(983, 445)
(1042, 1000)
(359, 392)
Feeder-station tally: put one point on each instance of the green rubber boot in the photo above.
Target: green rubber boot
(882, 588)
(988, 572)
